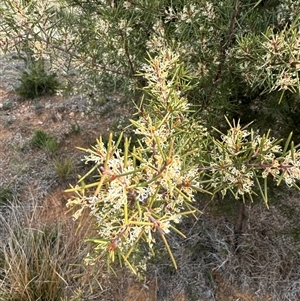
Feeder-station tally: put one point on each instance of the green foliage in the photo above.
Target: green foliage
(39, 138)
(227, 45)
(44, 141)
(6, 196)
(7, 106)
(37, 82)
(51, 146)
(75, 128)
(64, 168)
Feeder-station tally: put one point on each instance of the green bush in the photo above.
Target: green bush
(39, 138)
(37, 82)
(64, 168)
(44, 141)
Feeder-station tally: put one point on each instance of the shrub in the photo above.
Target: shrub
(64, 168)
(227, 46)
(37, 82)
(234, 58)
(44, 141)
(144, 193)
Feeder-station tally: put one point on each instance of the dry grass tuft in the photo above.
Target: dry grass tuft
(38, 260)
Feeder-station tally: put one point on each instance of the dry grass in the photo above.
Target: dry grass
(38, 258)
(264, 266)
(41, 258)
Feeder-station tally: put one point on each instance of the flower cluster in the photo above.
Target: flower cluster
(288, 10)
(274, 62)
(228, 170)
(241, 157)
(286, 168)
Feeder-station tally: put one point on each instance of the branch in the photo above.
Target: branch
(228, 41)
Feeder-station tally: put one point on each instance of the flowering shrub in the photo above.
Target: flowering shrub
(147, 189)
(234, 46)
(230, 57)
(150, 188)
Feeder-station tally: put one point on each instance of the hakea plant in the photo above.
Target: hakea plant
(143, 190)
(242, 160)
